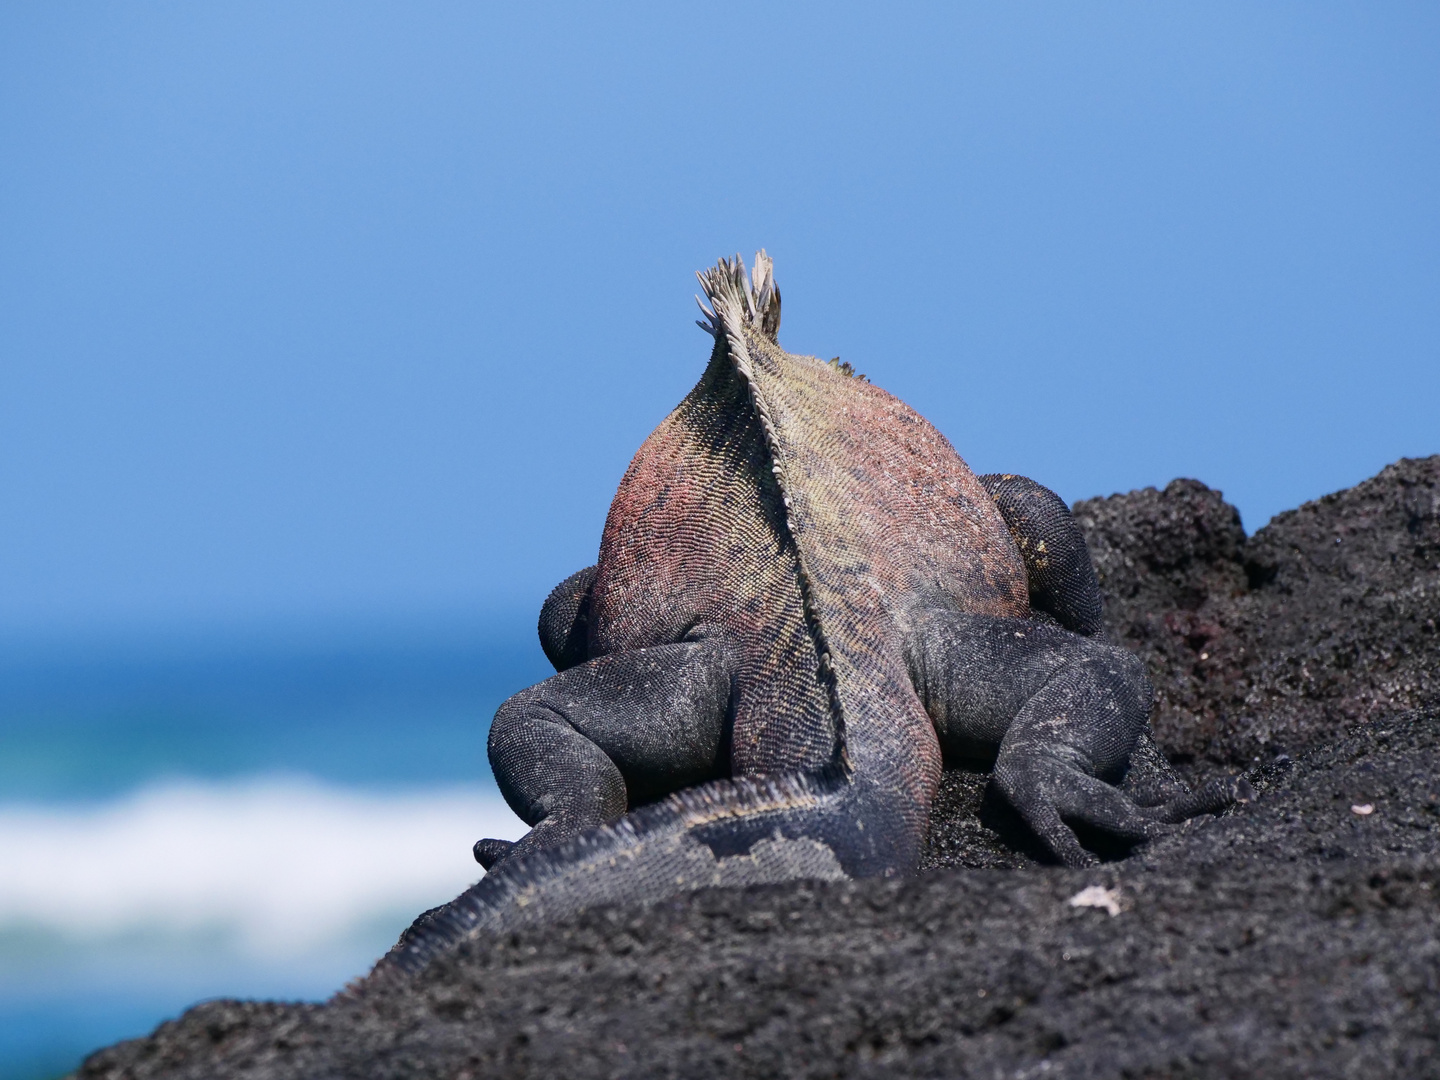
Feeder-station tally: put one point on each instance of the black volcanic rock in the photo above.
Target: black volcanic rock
(1258, 647)
(1296, 936)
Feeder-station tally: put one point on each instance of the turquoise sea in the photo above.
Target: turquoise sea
(185, 817)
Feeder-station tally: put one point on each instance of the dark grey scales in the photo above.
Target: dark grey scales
(975, 675)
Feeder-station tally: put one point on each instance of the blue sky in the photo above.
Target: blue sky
(334, 313)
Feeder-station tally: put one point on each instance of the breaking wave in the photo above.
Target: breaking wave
(263, 871)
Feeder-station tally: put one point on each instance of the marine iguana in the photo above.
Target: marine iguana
(804, 600)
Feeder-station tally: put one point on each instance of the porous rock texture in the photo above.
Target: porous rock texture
(1325, 617)
(1298, 935)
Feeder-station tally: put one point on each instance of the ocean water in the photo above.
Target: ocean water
(186, 819)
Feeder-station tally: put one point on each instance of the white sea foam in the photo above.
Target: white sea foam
(272, 869)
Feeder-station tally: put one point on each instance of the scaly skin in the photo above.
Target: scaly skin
(804, 600)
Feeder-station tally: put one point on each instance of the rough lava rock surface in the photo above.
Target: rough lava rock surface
(1298, 935)
(1257, 647)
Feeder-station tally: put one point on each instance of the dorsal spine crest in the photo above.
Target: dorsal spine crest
(739, 303)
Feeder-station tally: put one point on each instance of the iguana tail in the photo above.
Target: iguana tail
(748, 831)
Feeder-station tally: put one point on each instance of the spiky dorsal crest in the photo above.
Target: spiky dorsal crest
(737, 299)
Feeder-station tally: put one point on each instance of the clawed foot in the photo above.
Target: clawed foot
(1210, 798)
(1048, 792)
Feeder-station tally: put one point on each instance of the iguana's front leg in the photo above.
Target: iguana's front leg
(582, 747)
(1062, 583)
(1057, 562)
(1060, 713)
(565, 620)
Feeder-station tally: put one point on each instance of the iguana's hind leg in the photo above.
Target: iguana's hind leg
(582, 747)
(1061, 714)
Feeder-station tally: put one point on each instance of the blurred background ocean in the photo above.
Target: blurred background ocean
(228, 817)
(327, 330)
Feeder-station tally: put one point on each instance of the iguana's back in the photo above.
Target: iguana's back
(796, 511)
